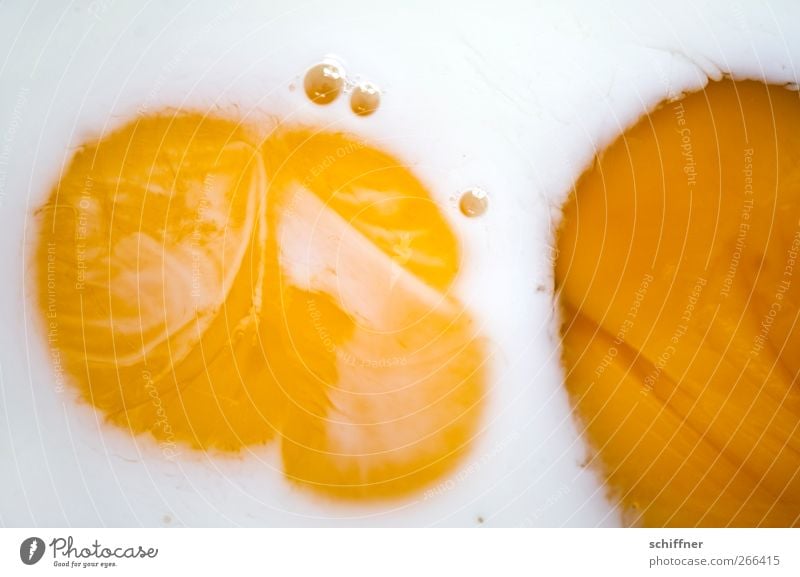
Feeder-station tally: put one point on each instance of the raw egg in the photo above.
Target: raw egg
(283, 264)
(219, 293)
(676, 272)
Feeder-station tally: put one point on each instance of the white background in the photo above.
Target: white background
(515, 97)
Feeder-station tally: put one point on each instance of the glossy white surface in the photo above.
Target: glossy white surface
(515, 99)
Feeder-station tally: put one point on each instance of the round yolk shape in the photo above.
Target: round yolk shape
(679, 281)
(219, 290)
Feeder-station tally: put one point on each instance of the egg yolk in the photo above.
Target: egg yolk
(220, 290)
(679, 281)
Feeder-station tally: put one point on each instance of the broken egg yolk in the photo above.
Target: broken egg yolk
(679, 281)
(220, 290)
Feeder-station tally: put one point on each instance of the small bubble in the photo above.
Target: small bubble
(474, 202)
(365, 99)
(324, 82)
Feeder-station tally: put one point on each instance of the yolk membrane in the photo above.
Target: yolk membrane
(220, 290)
(679, 281)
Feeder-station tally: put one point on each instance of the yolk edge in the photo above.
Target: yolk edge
(220, 291)
(676, 275)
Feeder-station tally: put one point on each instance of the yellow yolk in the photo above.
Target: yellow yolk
(220, 291)
(680, 285)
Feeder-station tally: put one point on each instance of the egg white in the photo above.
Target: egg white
(510, 97)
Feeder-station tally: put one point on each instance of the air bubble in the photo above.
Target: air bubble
(474, 202)
(324, 82)
(365, 99)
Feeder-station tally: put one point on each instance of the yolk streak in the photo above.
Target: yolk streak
(680, 290)
(221, 291)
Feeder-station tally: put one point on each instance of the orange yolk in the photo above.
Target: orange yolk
(679, 282)
(220, 291)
